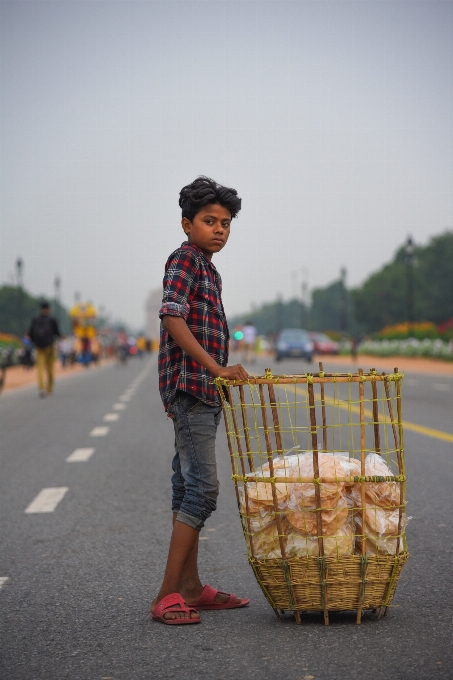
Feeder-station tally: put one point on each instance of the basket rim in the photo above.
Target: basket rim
(320, 377)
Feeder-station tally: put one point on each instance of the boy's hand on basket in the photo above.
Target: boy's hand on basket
(236, 372)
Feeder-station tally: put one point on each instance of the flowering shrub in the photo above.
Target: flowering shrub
(402, 331)
(9, 340)
(446, 329)
(410, 347)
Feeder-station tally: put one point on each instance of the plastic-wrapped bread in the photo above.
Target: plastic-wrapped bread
(382, 500)
(381, 530)
(266, 543)
(261, 492)
(297, 500)
(342, 543)
(305, 520)
(376, 544)
(381, 520)
(330, 466)
(384, 493)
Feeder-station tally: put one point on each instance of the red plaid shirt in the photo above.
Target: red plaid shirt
(192, 290)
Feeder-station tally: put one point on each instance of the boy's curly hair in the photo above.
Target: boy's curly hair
(205, 191)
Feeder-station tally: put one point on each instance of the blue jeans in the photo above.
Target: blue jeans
(194, 480)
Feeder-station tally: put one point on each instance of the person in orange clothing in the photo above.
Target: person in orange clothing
(43, 331)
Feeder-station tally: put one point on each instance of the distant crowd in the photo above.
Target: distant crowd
(43, 343)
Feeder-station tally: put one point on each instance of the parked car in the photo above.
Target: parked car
(323, 344)
(293, 342)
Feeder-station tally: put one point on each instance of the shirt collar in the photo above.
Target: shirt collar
(192, 245)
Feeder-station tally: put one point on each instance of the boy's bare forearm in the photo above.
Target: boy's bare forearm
(183, 336)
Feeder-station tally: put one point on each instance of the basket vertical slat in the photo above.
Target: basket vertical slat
(323, 411)
(401, 498)
(399, 410)
(274, 493)
(377, 437)
(271, 470)
(362, 492)
(278, 436)
(241, 461)
(246, 429)
(230, 448)
(314, 442)
(399, 454)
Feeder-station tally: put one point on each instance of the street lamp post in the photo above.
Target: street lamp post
(305, 306)
(343, 301)
(279, 310)
(19, 291)
(19, 271)
(57, 288)
(410, 261)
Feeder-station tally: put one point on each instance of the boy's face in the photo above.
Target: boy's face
(210, 228)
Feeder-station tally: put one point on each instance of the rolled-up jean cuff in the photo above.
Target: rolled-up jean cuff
(190, 520)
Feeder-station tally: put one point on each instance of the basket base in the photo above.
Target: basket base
(343, 583)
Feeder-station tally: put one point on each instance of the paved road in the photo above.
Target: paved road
(80, 578)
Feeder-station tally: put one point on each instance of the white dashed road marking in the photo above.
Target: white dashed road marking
(47, 500)
(111, 417)
(80, 455)
(119, 407)
(441, 386)
(125, 397)
(100, 431)
(3, 580)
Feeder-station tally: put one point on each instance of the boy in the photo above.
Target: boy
(193, 352)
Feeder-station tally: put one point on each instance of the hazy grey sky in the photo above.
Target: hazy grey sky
(332, 119)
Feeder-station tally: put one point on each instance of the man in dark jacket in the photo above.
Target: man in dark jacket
(43, 331)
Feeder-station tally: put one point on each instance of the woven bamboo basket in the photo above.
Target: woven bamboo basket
(318, 467)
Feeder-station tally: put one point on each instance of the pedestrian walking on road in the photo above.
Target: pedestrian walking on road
(65, 346)
(43, 331)
(193, 352)
(249, 332)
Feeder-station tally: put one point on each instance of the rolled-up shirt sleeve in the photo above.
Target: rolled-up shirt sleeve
(179, 283)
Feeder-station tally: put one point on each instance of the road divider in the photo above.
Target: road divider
(80, 455)
(100, 431)
(47, 500)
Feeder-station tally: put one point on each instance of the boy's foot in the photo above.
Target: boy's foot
(210, 598)
(172, 609)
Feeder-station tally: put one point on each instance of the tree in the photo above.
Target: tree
(382, 299)
(17, 308)
(272, 316)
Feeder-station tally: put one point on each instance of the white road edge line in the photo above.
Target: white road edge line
(3, 580)
(441, 386)
(47, 499)
(100, 431)
(80, 455)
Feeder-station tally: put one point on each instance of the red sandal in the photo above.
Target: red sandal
(207, 600)
(170, 603)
